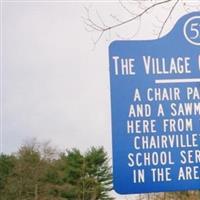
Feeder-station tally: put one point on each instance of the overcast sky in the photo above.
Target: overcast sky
(55, 85)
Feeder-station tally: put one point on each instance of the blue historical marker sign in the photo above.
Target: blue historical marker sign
(155, 100)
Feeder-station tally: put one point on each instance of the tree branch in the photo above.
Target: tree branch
(125, 8)
(137, 16)
(168, 16)
(102, 27)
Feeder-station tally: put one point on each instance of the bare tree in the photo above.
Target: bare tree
(135, 10)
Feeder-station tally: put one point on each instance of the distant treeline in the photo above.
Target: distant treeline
(37, 171)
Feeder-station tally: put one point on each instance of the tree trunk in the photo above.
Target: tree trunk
(36, 191)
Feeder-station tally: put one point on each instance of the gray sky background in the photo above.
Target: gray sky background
(55, 87)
